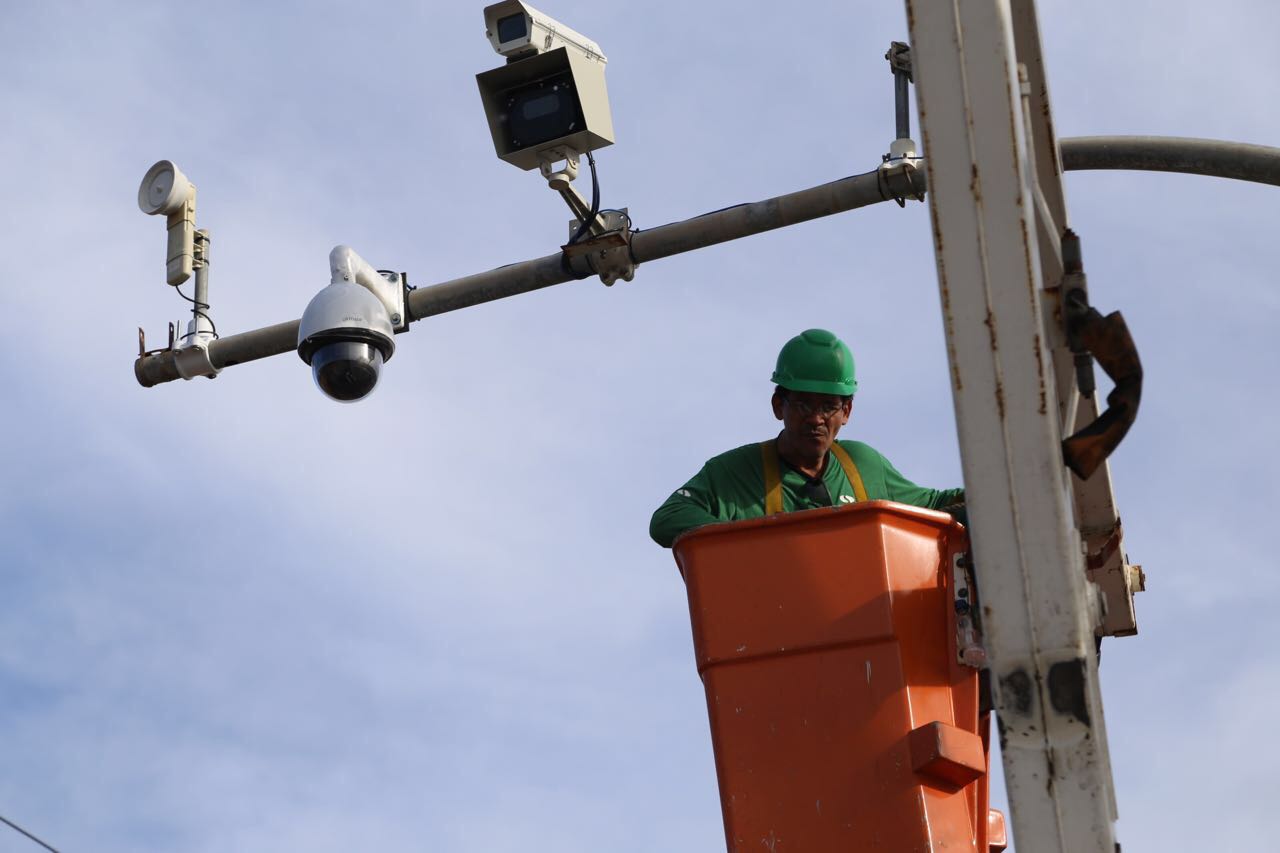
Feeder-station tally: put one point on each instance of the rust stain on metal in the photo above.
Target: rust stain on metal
(990, 323)
(1044, 390)
(975, 184)
(1026, 260)
(1051, 142)
(1015, 118)
(933, 216)
(943, 285)
(1037, 343)
(1098, 558)
(947, 319)
(944, 288)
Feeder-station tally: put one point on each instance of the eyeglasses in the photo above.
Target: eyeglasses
(826, 408)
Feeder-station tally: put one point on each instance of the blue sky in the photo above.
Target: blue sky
(236, 616)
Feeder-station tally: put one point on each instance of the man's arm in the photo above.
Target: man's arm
(904, 491)
(690, 506)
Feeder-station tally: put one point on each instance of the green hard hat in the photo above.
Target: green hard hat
(818, 362)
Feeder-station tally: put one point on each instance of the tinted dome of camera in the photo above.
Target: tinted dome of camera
(346, 371)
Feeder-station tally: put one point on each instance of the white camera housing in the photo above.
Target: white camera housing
(549, 102)
(517, 30)
(166, 190)
(348, 330)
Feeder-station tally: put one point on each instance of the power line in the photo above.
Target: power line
(27, 834)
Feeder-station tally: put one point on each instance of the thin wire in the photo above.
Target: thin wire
(27, 834)
(198, 311)
(595, 202)
(623, 214)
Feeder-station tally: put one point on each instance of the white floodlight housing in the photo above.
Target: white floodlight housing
(166, 190)
(549, 102)
(348, 329)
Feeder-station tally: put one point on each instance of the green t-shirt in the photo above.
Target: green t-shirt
(730, 487)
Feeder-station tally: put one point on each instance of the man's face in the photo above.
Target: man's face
(810, 422)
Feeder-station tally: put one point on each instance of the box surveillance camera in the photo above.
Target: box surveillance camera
(550, 96)
(517, 30)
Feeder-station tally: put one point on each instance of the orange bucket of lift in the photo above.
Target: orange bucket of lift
(841, 717)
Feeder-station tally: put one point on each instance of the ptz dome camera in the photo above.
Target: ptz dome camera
(346, 335)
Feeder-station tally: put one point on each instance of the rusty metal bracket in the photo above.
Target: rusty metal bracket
(609, 254)
(1107, 567)
(143, 352)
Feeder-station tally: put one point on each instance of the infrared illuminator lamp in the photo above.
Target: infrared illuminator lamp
(166, 190)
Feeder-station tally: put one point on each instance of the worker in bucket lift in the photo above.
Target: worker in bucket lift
(804, 467)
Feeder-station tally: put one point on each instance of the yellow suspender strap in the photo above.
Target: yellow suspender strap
(772, 481)
(850, 471)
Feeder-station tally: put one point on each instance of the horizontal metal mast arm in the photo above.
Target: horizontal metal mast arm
(1257, 163)
(649, 245)
(1237, 160)
(743, 220)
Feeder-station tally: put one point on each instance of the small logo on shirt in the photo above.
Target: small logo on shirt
(684, 493)
(847, 499)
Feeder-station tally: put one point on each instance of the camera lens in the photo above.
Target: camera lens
(346, 370)
(512, 27)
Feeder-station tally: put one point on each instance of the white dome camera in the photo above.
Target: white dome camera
(345, 336)
(348, 331)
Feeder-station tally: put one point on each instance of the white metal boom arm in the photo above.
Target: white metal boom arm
(999, 215)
